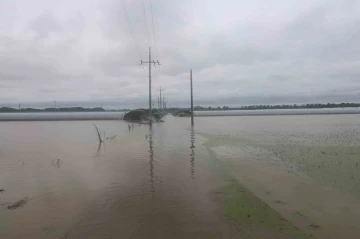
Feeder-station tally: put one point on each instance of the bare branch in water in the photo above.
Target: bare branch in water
(99, 136)
(111, 137)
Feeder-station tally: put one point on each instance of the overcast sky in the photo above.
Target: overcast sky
(241, 51)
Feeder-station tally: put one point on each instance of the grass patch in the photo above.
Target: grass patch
(314, 226)
(18, 204)
(280, 202)
(300, 215)
(241, 205)
(330, 160)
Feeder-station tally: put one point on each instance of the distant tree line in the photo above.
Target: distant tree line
(66, 109)
(197, 108)
(284, 106)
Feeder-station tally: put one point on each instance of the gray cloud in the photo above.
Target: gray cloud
(44, 24)
(241, 52)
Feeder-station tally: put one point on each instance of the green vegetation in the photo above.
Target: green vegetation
(336, 165)
(314, 226)
(18, 204)
(182, 113)
(136, 115)
(140, 114)
(241, 205)
(330, 159)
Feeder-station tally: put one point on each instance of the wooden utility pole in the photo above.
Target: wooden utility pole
(192, 100)
(150, 62)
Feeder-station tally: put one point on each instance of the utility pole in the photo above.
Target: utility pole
(150, 62)
(192, 100)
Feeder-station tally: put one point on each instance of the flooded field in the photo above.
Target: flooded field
(228, 177)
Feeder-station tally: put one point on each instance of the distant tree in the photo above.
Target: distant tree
(283, 106)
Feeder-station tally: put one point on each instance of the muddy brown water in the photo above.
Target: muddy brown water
(143, 183)
(152, 182)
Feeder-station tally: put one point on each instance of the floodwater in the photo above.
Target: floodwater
(143, 183)
(159, 181)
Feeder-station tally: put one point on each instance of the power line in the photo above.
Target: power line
(130, 27)
(152, 18)
(147, 27)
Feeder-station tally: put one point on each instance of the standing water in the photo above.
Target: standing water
(227, 177)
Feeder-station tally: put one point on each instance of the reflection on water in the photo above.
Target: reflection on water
(96, 193)
(151, 156)
(98, 150)
(192, 153)
(74, 194)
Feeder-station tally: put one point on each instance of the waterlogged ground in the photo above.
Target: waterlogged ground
(305, 167)
(326, 148)
(228, 177)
